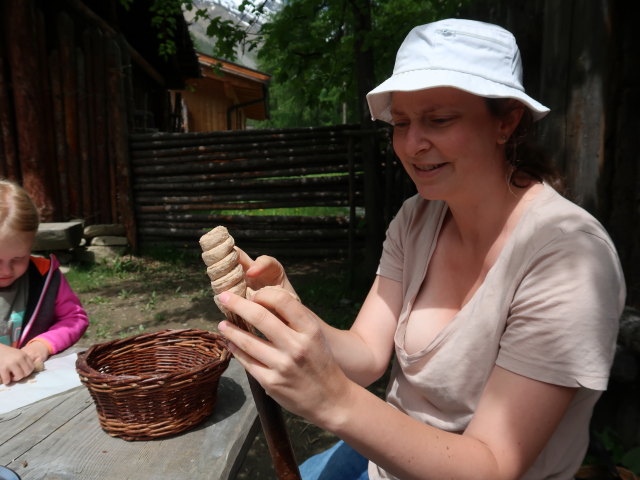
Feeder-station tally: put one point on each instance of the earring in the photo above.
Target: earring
(502, 139)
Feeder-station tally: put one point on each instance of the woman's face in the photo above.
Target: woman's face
(15, 249)
(448, 141)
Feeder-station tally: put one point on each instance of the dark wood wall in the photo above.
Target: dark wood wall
(75, 79)
(581, 59)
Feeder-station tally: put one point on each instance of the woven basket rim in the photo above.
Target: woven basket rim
(149, 406)
(82, 364)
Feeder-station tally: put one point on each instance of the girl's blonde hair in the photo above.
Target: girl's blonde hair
(17, 210)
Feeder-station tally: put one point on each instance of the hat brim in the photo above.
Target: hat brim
(379, 99)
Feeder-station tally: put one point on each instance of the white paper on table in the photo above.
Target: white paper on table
(59, 375)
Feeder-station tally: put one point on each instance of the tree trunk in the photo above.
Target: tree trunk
(373, 192)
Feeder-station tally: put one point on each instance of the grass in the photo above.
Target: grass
(86, 278)
(142, 283)
(292, 211)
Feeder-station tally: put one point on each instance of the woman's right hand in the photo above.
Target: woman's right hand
(264, 271)
(15, 364)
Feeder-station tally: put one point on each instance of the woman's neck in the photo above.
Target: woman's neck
(483, 216)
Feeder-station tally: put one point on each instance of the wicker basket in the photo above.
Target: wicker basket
(156, 384)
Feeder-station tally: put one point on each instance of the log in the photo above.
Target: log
(242, 205)
(123, 208)
(9, 165)
(89, 52)
(219, 177)
(112, 68)
(68, 78)
(330, 250)
(282, 221)
(48, 163)
(207, 166)
(59, 132)
(254, 149)
(148, 140)
(333, 231)
(84, 120)
(102, 194)
(26, 77)
(263, 184)
(248, 198)
(313, 234)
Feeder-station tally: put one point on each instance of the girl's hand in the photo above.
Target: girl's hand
(38, 351)
(293, 362)
(15, 364)
(264, 271)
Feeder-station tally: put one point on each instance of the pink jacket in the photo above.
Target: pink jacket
(54, 314)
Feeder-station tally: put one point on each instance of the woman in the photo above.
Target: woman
(499, 298)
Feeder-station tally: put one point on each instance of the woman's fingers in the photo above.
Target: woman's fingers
(241, 342)
(272, 311)
(243, 258)
(264, 270)
(273, 328)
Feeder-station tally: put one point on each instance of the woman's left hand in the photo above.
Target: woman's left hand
(293, 362)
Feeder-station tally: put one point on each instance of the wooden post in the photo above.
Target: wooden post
(60, 144)
(119, 141)
(100, 131)
(9, 162)
(69, 77)
(84, 120)
(28, 101)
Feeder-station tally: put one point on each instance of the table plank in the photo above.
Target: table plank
(60, 438)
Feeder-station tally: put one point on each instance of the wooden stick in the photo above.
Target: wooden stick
(226, 274)
(273, 425)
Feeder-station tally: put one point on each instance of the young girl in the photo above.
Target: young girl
(39, 313)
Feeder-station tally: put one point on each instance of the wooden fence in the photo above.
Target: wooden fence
(184, 184)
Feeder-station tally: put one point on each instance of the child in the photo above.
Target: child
(39, 313)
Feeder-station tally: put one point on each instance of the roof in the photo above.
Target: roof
(250, 86)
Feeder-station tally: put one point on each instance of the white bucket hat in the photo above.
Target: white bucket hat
(477, 57)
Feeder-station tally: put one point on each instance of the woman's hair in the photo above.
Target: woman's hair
(17, 210)
(527, 160)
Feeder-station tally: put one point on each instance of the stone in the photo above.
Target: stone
(109, 240)
(625, 366)
(629, 334)
(109, 229)
(103, 252)
(58, 235)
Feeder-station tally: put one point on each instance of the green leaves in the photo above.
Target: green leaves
(310, 49)
(313, 49)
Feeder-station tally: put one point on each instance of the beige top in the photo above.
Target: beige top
(548, 309)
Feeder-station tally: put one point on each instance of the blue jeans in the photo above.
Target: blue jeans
(340, 462)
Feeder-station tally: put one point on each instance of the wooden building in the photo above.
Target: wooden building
(224, 97)
(76, 78)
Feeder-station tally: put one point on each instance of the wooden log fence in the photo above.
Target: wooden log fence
(186, 183)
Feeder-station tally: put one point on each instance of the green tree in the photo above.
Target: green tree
(228, 34)
(325, 56)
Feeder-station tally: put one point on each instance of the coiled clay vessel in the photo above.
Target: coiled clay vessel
(223, 269)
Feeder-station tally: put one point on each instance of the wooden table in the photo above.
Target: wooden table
(60, 438)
